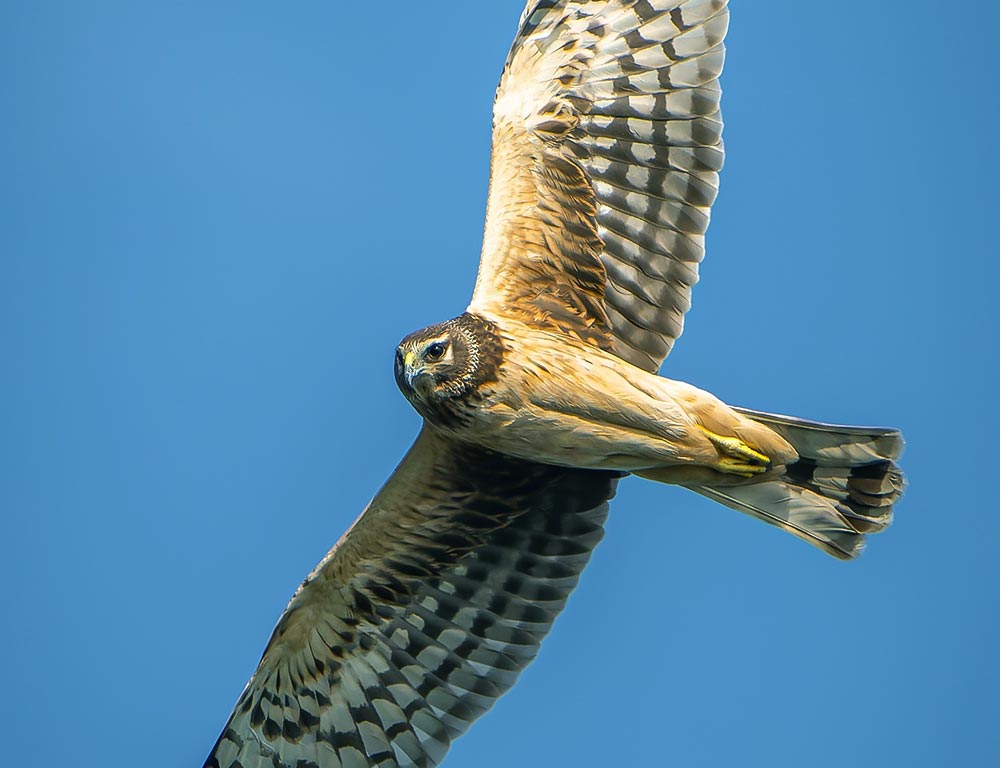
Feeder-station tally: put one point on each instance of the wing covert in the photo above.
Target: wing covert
(422, 615)
(607, 143)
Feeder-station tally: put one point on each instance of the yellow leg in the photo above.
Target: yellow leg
(737, 457)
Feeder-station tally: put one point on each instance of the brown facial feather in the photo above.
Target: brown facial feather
(446, 389)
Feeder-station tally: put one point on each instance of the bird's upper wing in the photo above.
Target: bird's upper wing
(607, 143)
(422, 615)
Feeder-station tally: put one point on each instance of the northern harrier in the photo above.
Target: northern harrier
(537, 400)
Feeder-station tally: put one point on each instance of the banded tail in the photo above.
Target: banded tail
(842, 487)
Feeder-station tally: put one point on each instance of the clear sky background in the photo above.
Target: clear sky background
(218, 218)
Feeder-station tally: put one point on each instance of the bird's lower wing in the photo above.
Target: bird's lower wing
(422, 615)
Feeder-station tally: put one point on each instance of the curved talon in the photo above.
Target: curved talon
(738, 458)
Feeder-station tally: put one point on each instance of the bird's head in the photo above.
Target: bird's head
(446, 361)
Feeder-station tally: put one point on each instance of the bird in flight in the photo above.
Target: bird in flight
(538, 399)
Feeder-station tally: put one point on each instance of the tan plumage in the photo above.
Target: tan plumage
(606, 152)
(607, 142)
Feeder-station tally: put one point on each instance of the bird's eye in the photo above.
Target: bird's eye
(434, 351)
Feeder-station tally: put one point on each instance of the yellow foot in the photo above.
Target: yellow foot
(738, 458)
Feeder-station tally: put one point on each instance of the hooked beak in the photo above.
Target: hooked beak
(409, 371)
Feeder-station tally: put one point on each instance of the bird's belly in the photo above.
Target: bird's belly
(559, 402)
(552, 437)
(569, 411)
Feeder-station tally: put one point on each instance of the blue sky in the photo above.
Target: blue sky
(217, 220)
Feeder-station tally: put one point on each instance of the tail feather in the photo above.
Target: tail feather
(843, 485)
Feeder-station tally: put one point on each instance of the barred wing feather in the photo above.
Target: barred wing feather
(422, 615)
(607, 143)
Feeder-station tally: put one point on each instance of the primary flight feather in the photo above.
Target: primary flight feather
(607, 144)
